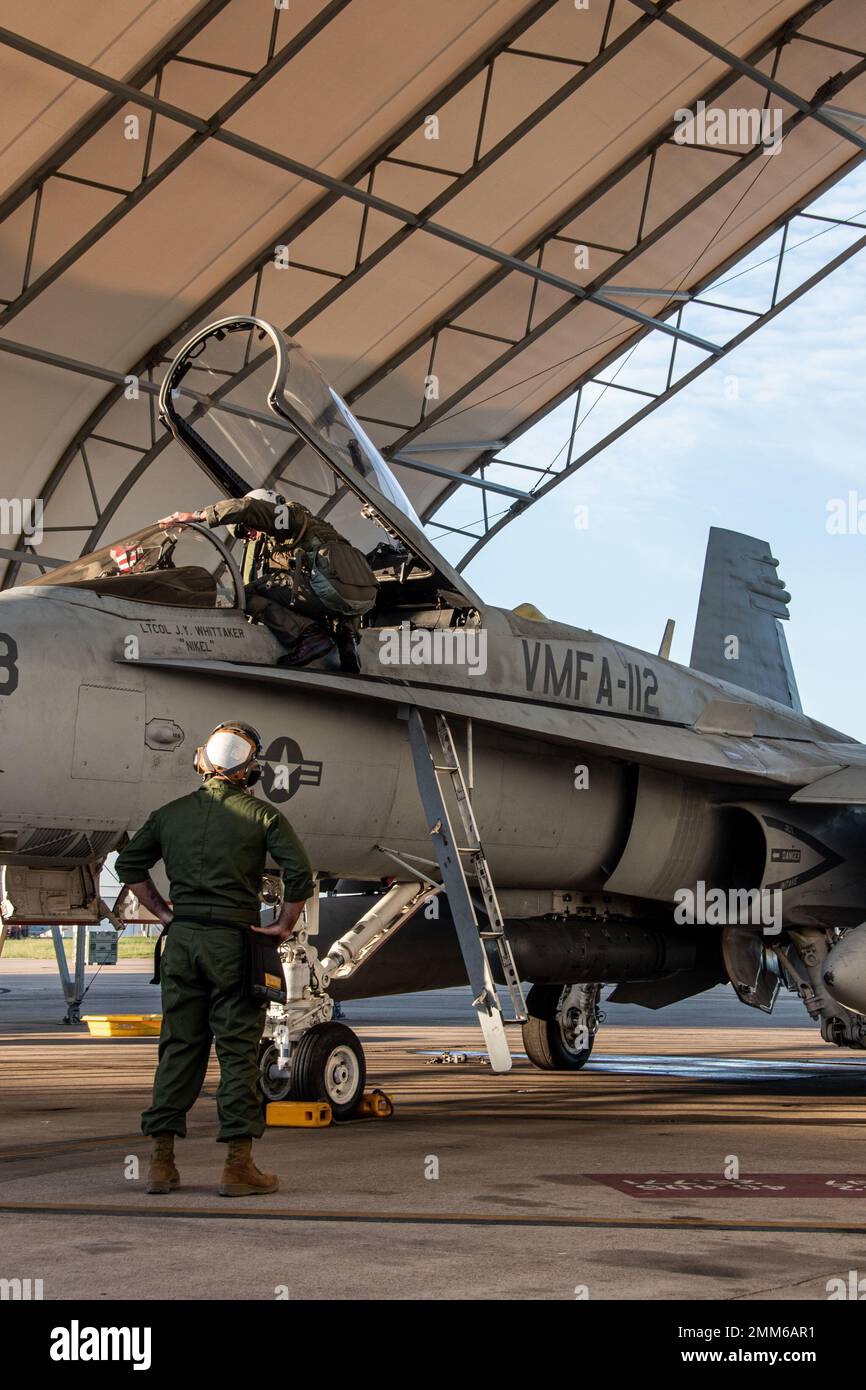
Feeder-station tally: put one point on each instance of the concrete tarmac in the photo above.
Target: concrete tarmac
(535, 1185)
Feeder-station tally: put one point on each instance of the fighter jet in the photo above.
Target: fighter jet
(497, 797)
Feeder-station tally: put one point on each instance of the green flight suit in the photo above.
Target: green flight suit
(278, 591)
(214, 845)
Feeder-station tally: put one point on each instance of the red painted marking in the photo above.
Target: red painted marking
(747, 1185)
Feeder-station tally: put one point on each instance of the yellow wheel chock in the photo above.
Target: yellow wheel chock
(299, 1114)
(375, 1104)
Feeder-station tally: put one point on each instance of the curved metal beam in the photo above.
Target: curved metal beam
(319, 208)
(672, 389)
(149, 70)
(717, 50)
(210, 130)
(123, 92)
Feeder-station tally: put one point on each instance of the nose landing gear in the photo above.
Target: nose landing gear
(305, 1054)
(327, 1063)
(330, 1065)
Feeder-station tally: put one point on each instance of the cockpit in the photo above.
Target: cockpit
(181, 567)
(256, 412)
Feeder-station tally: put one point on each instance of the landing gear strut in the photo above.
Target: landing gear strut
(305, 1054)
(563, 1020)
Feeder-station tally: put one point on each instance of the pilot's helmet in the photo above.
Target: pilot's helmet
(263, 494)
(232, 751)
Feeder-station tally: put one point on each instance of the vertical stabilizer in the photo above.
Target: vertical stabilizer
(738, 632)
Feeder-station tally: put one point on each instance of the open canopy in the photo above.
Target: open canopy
(256, 411)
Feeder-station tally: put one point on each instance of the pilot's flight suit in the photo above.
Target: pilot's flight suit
(214, 843)
(278, 590)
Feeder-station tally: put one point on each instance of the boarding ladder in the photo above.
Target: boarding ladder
(454, 862)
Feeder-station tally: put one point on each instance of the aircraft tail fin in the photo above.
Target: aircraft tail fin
(738, 632)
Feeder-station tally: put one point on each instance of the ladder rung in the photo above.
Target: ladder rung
(434, 800)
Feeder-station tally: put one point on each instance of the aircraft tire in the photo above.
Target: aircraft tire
(329, 1065)
(543, 1037)
(270, 1088)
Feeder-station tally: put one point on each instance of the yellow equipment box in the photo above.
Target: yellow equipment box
(309, 1114)
(123, 1025)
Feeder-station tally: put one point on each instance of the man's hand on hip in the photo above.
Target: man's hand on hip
(275, 930)
(285, 923)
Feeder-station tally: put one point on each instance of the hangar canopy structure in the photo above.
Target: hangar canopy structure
(467, 212)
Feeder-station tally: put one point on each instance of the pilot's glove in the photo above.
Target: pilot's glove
(179, 519)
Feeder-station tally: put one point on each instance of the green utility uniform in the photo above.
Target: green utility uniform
(277, 584)
(214, 845)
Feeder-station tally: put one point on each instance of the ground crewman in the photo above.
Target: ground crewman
(214, 844)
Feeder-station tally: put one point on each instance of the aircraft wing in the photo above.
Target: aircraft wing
(762, 761)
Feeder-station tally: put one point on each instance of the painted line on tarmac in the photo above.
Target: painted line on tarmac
(395, 1218)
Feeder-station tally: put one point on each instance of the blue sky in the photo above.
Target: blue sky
(761, 443)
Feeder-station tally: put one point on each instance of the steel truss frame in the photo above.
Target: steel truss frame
(214, 129)
(529, 261)
(122, 94)
(548, 478)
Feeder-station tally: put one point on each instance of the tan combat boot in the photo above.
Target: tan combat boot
(162, 1175)
(241, 1177)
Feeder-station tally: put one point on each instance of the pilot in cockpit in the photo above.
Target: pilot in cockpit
(302, 578)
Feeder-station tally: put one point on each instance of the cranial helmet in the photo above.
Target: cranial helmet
(262, 494)
(232, 751)
(266, 494)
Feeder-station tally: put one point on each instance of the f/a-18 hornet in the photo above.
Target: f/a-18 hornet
(494, 796)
